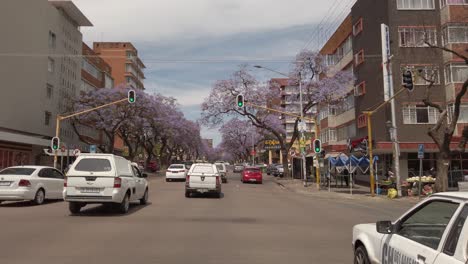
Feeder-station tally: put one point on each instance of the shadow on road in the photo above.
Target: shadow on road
(27, 203)
(109, 211)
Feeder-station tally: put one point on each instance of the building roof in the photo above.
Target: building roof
(73, 12)
(281, 81)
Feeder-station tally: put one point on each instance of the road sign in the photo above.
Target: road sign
(92, 148)
(76, 152)
(63, 148)
(421, 151)
(253, 153)
(302, 126)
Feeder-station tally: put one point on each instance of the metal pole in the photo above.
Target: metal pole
(420, 174)
(317, 169)
(396, 149)
(371, 154)
(303, 161)
(57, 134)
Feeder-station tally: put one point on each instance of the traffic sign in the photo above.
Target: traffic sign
(302, 126)
(76, 152)
(92, 148)
(253, 153)
(421, 151)
(63, 148)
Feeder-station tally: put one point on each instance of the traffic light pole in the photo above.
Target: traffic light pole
(60, 118)
(317, 169)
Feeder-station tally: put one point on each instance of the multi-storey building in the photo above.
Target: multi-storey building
(127, 67)
(411, 24)
(41, 72)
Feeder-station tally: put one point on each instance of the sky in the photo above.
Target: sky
(188, 44)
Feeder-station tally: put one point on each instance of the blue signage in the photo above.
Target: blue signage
(421, 151)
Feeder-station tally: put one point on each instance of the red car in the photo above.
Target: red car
(252, 174)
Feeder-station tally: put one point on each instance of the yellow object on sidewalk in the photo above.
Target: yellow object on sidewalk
(392, 193)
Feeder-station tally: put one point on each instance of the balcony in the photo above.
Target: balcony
(345, 60)
(343, 118)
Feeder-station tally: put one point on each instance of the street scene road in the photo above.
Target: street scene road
(250, 223)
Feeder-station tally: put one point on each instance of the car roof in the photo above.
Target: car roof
(177, 164)
(203, 164)
(250, 167)
(458, 195)
(31, 167)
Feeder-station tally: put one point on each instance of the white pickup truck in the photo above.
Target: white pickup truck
(435, 231)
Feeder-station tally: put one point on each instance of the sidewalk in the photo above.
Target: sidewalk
(359, 192)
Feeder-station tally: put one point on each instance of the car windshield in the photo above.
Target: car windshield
(17, 171)
(93, 165)
(176, 167)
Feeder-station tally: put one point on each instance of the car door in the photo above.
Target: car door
(57, 183)
(140, 185)
(46, 181)
(455, 250)
(418, 235)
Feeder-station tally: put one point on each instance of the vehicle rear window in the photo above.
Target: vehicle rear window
(17, 171)
(202, 169)
(220, 167)
(176, 167)
(93, 165)
(253, 170)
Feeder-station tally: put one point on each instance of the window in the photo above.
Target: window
(52, 40)
(93, 165)
(456, 73)
(454, 235)
(462, 117)
(345, 132)
(427, 225)
(328, 135)
(455, 33)
(420, 115)
(360, 89)
(49, 90)
(453, 2)
(417, 36)
(357, 28)
(91, 69)
(415, 4)
(47, 116)
(362, 121)
(359, 58)
(203, 169)
(51, 65)
(17, 171)
(421, 73)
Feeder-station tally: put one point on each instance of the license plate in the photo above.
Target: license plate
(174, 172)
(90, 190)
(202, 190)
(252, 180)
(5, 183)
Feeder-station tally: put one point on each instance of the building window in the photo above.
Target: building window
(415, 4)
(455, 33)
(52, 40)
(362, 121)
(328, 135)
(359, 58)
(357, 28)
(360, 89)
(91, 69)
(453, 2)
(417, 36)
(47, 116)
(49, 90)
(413, 114)
(345, 132)
(51, 65)
(421, 73)
(456, 73)
(462, 117)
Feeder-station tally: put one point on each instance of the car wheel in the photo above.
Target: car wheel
(144, 199)
(360, 256)
(218, 195)
(39, 198)
(74, 207)
(124, 205)
(167, 180)
(224, 180)
(187, 194)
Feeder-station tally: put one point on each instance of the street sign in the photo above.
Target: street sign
(302, 126)
(76, 152)
(92, 148)
(421, 151)
(63, 148)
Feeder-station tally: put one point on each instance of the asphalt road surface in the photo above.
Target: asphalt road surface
(250, 224)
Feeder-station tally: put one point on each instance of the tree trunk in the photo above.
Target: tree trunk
(443, 161)
(284, 154)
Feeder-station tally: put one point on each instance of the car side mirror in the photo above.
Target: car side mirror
(145, 175)
(384, 227)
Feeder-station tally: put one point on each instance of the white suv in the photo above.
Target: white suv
(222, 171)
(104, 179)
(203, 178)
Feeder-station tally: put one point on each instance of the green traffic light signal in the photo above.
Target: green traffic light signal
(240, 100)
(55, 144)
(131, 96)
(317, 146)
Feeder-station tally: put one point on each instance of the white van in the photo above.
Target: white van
(203, 178)
(104, 178)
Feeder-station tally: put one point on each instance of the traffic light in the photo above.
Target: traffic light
(240, 100)
(55, 143)
(317, 146)
(131, 96)
(408, 80)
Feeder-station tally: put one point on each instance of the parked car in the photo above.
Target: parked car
(222, 171)
(104, 179)
(434, 231)
(238, 168)
(176, 172)
(270, 168)
(203, 178)
(152, 166)
(279, 171)
(31, 183)
(252, 174)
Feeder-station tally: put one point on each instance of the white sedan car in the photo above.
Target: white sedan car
(176, 172)
(33, 183)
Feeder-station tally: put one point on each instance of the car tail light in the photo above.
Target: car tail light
(217, 180)
(24, 183)
(168, 171)
(117, 182)
(65, 182)
(182, 171)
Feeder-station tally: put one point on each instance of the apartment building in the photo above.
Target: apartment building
(40, 72)
(443, 23)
